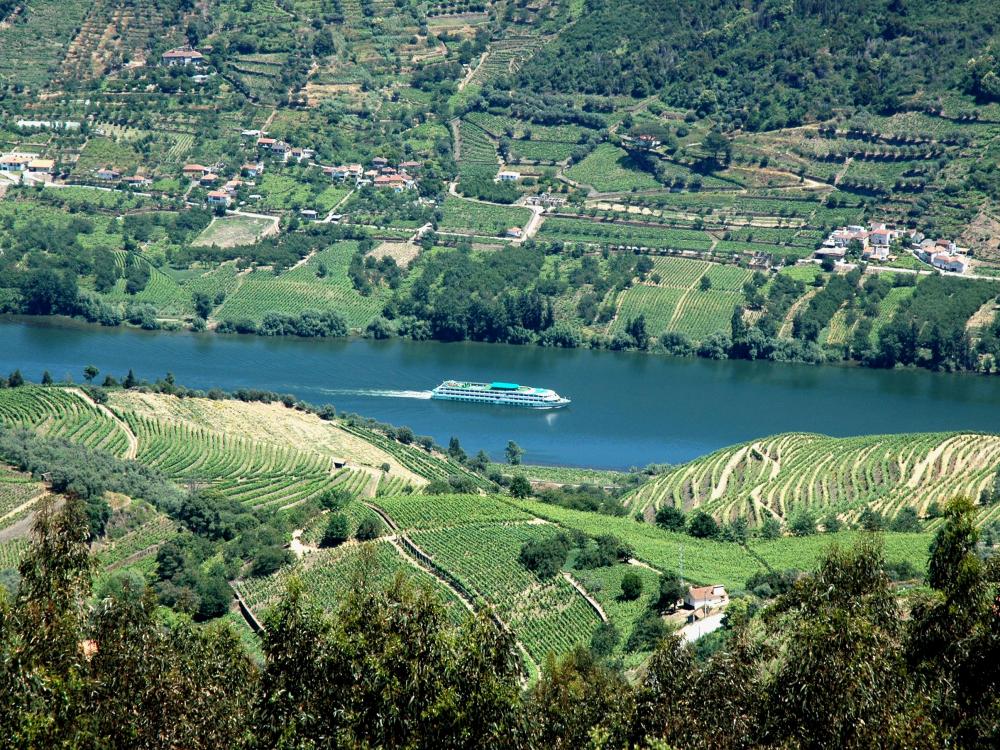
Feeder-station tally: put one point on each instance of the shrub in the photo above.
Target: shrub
(545, 557)
(368, 529)
(703, 526)
(337, 531)
(631, 587)
(604, 639)
(670, 518)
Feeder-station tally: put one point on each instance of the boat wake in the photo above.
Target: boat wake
(377, 393)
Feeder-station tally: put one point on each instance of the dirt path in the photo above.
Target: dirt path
(456, 140)
(720, 488)
(684, 298)
(640, 564)
(133, 442)
(405, 546)
(473, 69)
(595, 605)
(298, 547)
(786, 325)
(23, 505)
(840, 174)
(329, 217)
(531, 228)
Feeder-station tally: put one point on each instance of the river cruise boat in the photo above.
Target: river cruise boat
(504, 394)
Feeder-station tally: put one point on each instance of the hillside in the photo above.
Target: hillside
(267, 477)
(576, 170)
(780, 476)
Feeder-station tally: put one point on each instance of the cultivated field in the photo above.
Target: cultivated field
(234, 231)
(777, 476)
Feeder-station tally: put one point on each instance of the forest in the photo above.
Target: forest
(834, 661)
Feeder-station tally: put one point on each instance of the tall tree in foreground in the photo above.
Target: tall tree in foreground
(954, 633)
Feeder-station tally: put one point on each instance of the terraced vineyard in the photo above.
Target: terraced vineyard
(189, 443)
(36, 45)
(435, 511)
(547, 616)
(328, 575)
(302, 289)
(16, 491)
(478, 157)
(677, 303)
(776, 476)
(506, 56)
(480, 218)
(58, 412)
(424, 464)
(140, 542)
(617, 234)
(704, 561)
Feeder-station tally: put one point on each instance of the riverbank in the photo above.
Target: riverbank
(628, 409)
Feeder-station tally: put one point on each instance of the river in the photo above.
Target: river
(628, 409)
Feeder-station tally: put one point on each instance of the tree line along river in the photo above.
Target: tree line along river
(628, 409)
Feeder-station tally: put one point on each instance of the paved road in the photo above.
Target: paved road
(694, 631)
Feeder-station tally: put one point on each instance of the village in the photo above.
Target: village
(879, 243)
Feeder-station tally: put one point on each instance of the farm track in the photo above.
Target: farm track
(584, 593)
(785, 331)
(464, 597)
(133, 441)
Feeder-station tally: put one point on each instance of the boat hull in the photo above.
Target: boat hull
(502, 402)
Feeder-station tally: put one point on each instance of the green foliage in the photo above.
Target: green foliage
(545, 557)
(337, 531)
(631, 587)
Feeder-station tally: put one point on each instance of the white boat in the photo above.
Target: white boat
(503, 394)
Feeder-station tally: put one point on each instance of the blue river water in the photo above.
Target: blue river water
(628, 409)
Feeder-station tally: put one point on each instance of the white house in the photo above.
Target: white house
(508, 176)
(182, 56)
(699, 597)
(950, 263)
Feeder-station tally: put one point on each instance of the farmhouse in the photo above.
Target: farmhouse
(14, 162)
(49, 124)
(308, 213)
(950, 263)
(644, 141)
(267, 143)
(699, 597)
(137, 181)
(507, 176)
(195, 171)
(396, 182)
(253, 170)
(209, 179)
(515, 233)
(344, 171)
(410, 166)
(41, 165)
(182, 56)
(218, 198)
(108, 174)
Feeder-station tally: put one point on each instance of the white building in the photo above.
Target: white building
(699, 597)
